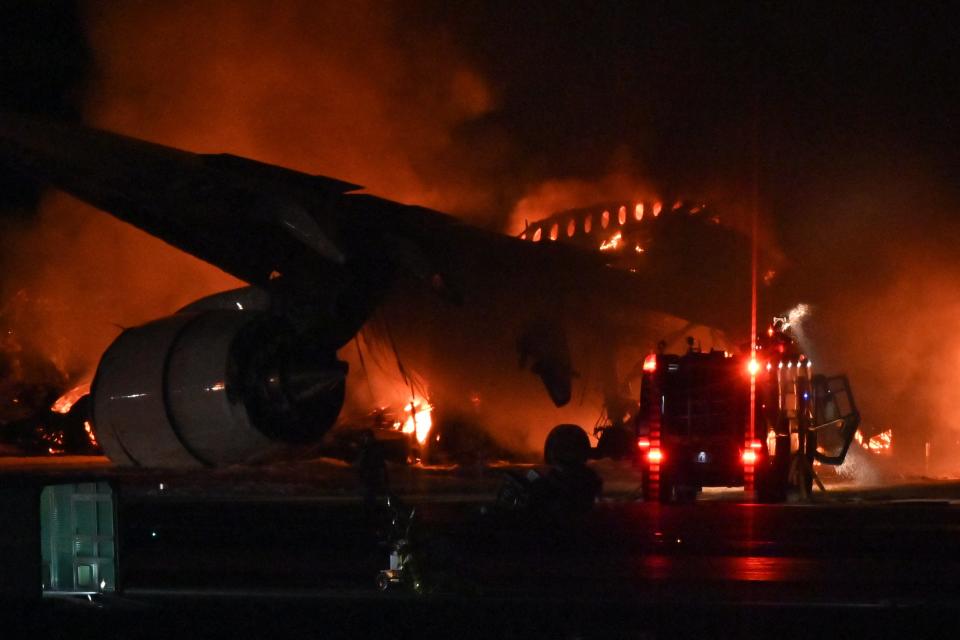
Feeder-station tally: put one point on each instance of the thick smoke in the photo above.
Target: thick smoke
(499, 127)
(333, 89)
(887, 303)
(551, 196)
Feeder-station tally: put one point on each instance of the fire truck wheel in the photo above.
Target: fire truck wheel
(671, 489)
(684, 493)
(770, 484)
(771, 492)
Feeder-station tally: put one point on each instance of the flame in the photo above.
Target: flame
(612, 243)
(90, 435)
(419, 420)
(65, 402)
(882, 443)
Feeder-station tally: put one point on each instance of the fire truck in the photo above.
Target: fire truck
(693, 427)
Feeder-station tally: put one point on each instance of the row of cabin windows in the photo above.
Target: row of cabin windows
(588, 222)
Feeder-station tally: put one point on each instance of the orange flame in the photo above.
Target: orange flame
(882, 443)
(90, 435)
(419, 420)
(612, 243)
(64, 403)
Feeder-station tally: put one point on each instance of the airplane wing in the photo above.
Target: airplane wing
(330, 258)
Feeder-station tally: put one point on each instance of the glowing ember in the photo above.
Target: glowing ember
(638, 249)
(612, 243)
(65, 402)
(90, 435)
(419, 421)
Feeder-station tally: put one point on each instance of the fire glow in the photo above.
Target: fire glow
(880, 444)
(64, 403)
(419, 419)
(612, 243)
(91, 436)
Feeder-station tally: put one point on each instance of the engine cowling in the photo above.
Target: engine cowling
(212, 387)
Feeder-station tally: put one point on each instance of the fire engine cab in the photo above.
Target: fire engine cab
(693, 426)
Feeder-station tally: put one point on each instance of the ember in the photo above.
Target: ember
(88, 428)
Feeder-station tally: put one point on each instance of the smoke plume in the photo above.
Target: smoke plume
(328, 88)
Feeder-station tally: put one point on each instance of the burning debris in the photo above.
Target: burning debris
(419, 421)
(65, 403)
(879, 444)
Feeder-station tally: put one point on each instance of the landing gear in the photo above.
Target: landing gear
(672, 487)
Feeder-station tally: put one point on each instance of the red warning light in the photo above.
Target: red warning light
(643, 443)
(655, 455)
(749, 456)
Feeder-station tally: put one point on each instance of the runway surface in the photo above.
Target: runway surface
(199, 560)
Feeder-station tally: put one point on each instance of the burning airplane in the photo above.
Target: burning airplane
(514, 334)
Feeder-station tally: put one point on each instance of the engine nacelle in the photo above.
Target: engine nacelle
(212, 387)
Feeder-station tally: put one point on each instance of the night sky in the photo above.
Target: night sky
(841, 119)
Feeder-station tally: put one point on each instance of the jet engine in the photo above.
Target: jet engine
(212, 386)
